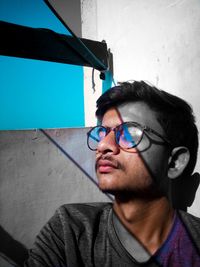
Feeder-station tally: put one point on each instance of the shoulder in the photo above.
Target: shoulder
(192, 224)
(77, 217)
(83, 212)
(68, 232)
(85, 208)
(189, 219)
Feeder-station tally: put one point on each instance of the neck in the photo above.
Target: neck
(148, 220)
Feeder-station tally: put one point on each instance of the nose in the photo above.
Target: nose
(108, 144)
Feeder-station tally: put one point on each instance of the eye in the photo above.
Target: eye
(129, 136)
(98, 133)
(135, 132)
(101, 133)
(95, 136)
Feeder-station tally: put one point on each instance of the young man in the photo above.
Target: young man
(145, 139)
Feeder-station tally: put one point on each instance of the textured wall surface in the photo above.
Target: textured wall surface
(36, 177)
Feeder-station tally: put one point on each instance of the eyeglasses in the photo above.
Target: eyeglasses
(127, 135)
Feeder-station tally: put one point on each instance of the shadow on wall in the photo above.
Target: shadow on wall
(12, 250)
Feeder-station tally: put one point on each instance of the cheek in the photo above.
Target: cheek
(135, 164)
(156, 161)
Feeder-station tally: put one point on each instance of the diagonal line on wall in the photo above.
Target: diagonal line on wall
(73, 160)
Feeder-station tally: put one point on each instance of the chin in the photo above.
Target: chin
(106, 187)
(111, 185)
(111, 188)
(109, 191)
(129, 193)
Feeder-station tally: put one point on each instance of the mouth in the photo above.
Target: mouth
(105, 166)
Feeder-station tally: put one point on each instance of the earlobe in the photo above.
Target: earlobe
(178, 161)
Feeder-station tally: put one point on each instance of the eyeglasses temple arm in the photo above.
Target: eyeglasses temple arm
(159, 135)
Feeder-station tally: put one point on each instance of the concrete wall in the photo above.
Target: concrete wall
(151, 40)
(36, 177)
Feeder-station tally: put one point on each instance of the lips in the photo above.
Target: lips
(106, 166)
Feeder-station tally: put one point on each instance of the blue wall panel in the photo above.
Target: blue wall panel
(33, 93)
(31, 13)
(40, 94)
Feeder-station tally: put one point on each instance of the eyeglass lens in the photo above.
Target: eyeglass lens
(127, 135)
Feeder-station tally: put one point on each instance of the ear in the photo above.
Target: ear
(178, 161)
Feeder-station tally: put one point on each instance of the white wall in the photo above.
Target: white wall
(151, 40)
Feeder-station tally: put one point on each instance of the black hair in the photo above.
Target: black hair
(173, 113)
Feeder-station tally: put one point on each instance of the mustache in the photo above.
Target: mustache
(109, 158)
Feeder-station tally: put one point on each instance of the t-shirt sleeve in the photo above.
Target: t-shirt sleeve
(48, 249)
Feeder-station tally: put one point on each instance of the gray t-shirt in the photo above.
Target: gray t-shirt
(82, 235)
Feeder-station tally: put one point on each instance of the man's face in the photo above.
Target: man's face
(132, 170)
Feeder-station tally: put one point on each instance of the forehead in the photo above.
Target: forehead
(132, 111)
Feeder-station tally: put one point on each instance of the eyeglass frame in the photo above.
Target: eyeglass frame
(144, 129)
